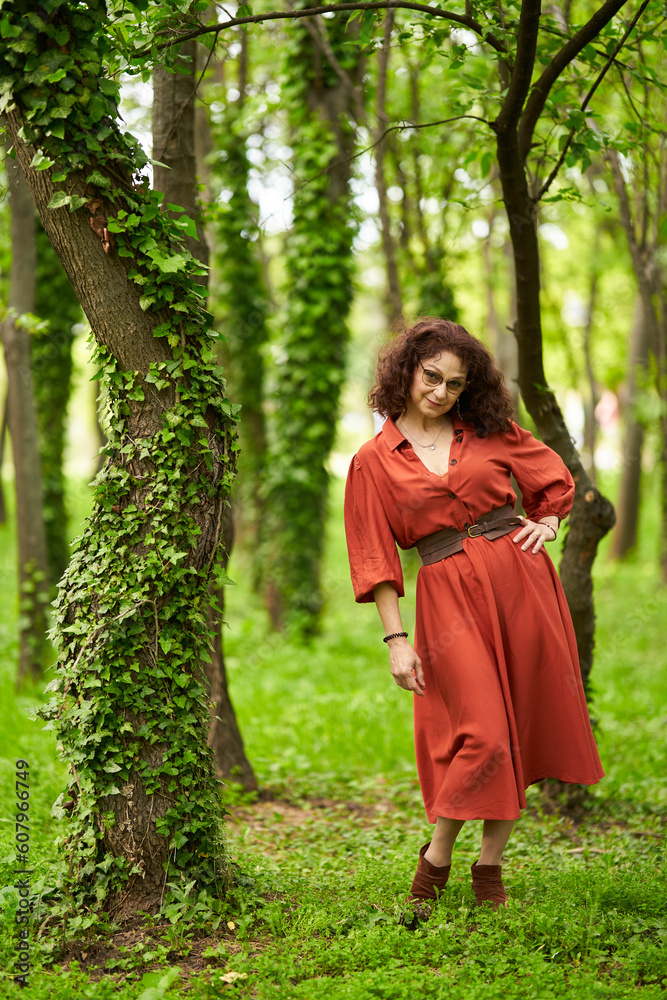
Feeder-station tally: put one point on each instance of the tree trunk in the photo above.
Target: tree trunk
(131, 626)
(22, 421)
(174, 143)
(591, 401)
(174, 121)
(624, 538)
(224, 735)
(647, 275)
(592, 514)
(51, 357)
(504, 344)
(323, 101)
(3, 439)
(394, 302)
(241, 302)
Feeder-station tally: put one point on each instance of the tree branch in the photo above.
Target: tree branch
(522, 71)
(571, 49)
(463, 19)
(393, 128)
(587, 99)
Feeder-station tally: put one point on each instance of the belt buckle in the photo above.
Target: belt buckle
(477, 533)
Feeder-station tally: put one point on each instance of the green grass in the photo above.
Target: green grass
(327, 862)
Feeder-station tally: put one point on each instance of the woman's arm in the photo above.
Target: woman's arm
(406, 667)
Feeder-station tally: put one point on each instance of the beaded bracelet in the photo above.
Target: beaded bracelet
(552, 528)
(395, 635)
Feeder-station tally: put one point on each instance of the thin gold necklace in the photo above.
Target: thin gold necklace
(431, 447)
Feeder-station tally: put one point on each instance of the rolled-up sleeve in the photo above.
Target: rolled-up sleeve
(371, 546)
(545, 482)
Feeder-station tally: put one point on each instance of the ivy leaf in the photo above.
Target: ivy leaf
(98, 179)
(8, 30)
(188, 225)
(40, 161)
(57, 75)
(59, 200)
(168, 265)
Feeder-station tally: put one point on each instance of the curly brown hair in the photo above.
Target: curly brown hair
(485, 403)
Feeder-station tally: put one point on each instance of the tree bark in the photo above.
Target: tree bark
(174, 142)
(3, 440)
(624, 539)
(647, 275)
(394, 302)
(51, 356)
(22, 421)
(174, 130)
(590, 422)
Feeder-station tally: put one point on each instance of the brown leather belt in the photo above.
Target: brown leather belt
(447, 541)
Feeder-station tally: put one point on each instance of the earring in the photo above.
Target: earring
(458, 408)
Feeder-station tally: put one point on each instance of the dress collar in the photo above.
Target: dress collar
(393, 436)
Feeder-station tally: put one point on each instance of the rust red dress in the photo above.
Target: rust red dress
(504, 704)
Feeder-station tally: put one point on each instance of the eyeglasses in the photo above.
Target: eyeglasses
(433, 379)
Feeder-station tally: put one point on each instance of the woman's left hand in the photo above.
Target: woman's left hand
(534, 532)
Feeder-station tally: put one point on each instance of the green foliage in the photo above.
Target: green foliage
(311, 369)
(51, 361)
(241, 304)
(131, 618)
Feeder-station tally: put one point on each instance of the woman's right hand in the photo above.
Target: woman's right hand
(406, 667)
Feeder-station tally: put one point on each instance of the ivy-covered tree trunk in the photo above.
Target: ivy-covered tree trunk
(129, 710)
(319, 293)
(241, 304)
(174, 146)
(22, 421)
(51, 356)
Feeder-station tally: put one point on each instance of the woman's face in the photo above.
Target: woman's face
(432, 400)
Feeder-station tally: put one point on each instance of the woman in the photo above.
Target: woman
(499, 702)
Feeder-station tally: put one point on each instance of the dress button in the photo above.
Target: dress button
(452, 496)
(453, 462)
(466, 524)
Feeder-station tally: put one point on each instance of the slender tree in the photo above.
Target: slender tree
(242, 306)
(22, 422)
(51, 358)
(624, 539)
(321, 76)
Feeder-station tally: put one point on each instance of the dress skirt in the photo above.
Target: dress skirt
(504, 704)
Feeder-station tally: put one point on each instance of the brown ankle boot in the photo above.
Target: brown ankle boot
(429, 880)
(487, 885)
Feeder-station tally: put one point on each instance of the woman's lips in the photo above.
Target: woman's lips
(431, 402)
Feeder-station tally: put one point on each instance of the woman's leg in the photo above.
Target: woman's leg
(445, 833)
(487, 882)
(495, 834)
